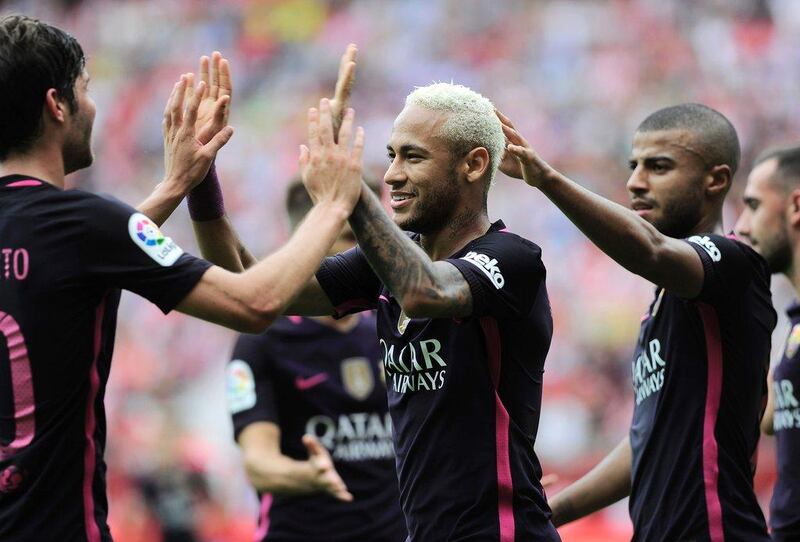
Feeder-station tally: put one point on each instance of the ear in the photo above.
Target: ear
(54, 108)
(719, 180)
(793, 211)
(476, 163)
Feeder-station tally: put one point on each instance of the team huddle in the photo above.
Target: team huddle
(387, 384)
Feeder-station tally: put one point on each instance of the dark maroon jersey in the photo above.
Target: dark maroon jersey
(464, 394)
(308, 377)
(66, 255)
(785, 506)
(699, 380)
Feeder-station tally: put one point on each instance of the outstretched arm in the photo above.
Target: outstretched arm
(627, 238)
(332, 175)
(607, 483)
(424, 288)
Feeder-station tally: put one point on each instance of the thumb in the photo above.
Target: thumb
(314, 446)
(219, 140)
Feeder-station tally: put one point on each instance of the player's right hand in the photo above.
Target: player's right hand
(326, 478)
(331, 170)
(215, 102)
(186, 158)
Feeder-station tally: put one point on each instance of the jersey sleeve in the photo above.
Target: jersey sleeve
(249, 384)
(505, 273)
(729, 266)
(349, 282)
(122, 248)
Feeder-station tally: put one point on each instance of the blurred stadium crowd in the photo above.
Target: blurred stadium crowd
(576, 75)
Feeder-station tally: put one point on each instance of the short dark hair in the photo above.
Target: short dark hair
(714, 133)
(298, 202)
(787, 171)
(34, 57)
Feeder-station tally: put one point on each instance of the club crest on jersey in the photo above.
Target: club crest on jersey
(708, 245)
(402, 322)
(488, 267)
(793, 342)
(241, 386)
(146, 235)
(357, 377)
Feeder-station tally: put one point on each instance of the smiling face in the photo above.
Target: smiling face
(764, 222)
(666, 185)
(422, 172)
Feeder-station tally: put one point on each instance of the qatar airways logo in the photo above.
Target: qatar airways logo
(648, 371)
(416, 366)
(787, 408)
(357, 436)
(488, 267)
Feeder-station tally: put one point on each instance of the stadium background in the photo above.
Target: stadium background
(576, 76)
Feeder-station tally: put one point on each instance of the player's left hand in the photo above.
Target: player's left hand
(327, 479)
(186, 158)
(519, 159)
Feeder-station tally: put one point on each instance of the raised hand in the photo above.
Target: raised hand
(344, 87)
(186, 159)
(212, 114)
(519, 159)
(326, 477)
(331, 170)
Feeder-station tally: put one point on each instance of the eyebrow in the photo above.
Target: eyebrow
(405, 149)
(651, 159)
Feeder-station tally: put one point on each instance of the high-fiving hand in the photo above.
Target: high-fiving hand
(186, 158)
(330, 168)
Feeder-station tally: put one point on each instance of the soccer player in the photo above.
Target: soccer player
(68, 253)
(701, 358)
(304, 389)
(771, 221)
(464, 321)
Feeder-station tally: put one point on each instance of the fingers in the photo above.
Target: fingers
(218, 141)
(313, 129)
(176, 109)
(358, 148)
(314, 446)
(189, 87)
(341, 493)
(304, 158)
(346, 128)
(204, 69)
(325, 122)
(167, 123)
(194, 95)
(503, 119)
(346, 77)
(225, 83)
(216, 57)
(514, 137)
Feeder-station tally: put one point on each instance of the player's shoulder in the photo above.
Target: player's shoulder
(500, 241)
(729, 248)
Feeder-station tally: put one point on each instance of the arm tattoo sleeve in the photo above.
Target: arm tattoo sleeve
(403, 266)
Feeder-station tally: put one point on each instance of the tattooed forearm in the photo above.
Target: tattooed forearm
(424, 287)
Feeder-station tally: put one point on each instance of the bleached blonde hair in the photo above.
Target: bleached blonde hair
(472, 122)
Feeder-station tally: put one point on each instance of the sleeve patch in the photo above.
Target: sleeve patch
(241, 386)
(488, 266)
(146, 235)
(707, 245)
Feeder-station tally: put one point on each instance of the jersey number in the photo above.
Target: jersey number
(21, 387)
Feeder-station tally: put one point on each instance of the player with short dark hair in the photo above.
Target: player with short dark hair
(701, 358)
(464, 321)
(304, 390)
(68, 254)
(771, 222)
